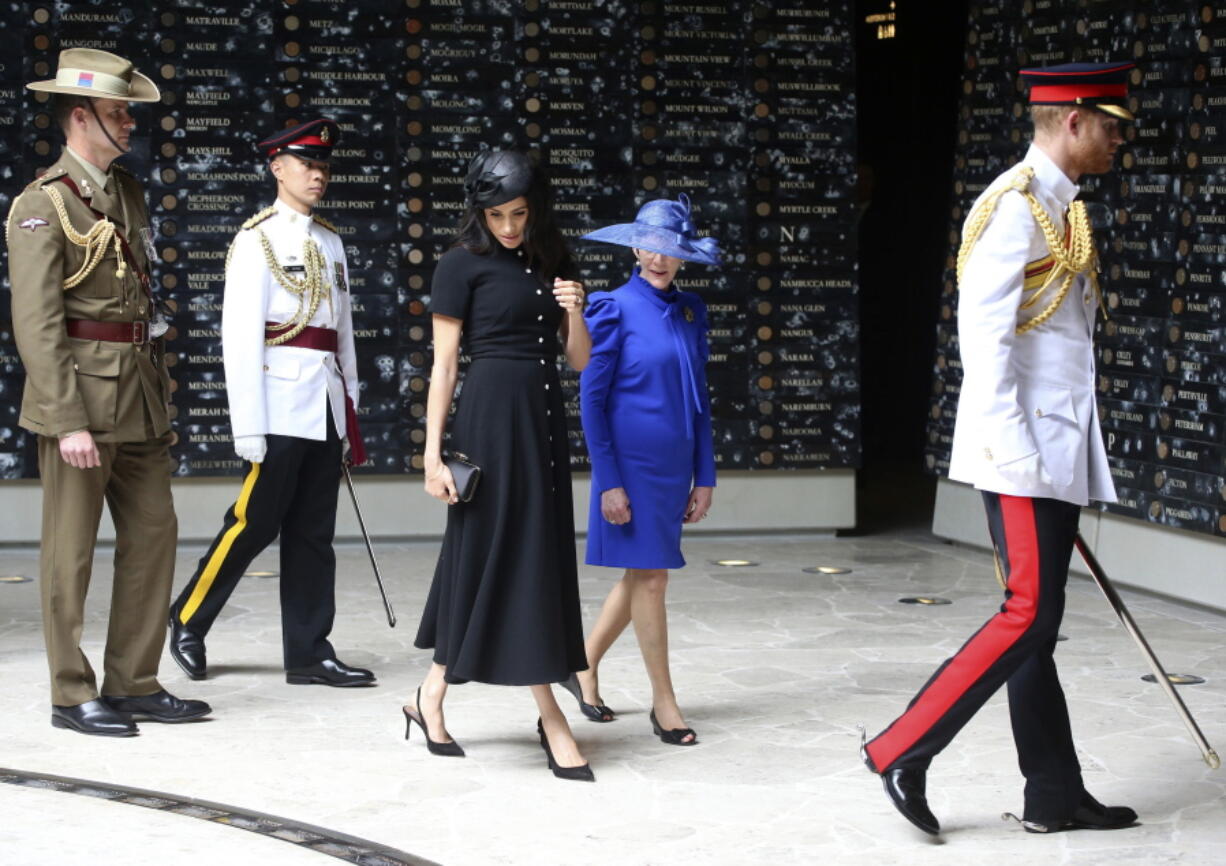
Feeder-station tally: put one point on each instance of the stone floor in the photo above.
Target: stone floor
(775, 668)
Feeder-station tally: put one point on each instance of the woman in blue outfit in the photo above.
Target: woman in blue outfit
(647, 420)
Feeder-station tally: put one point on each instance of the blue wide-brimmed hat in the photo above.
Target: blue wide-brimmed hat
(662, 226)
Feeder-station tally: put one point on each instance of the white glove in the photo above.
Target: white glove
(251, 448)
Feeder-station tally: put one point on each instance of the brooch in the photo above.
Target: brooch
(689, 314)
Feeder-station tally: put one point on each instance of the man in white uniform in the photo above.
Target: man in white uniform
(291, 379)
(1027, 435)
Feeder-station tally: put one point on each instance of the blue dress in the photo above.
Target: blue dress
(646, 418)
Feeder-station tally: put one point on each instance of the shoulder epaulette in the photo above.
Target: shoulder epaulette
(323, 222)
(51, 176)
(260, 217)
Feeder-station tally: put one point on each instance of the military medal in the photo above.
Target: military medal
(340, 277)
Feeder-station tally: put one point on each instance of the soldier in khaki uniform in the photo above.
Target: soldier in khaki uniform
(96, 394)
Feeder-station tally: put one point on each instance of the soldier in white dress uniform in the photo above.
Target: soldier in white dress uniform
(291, 380)
(1027, 436)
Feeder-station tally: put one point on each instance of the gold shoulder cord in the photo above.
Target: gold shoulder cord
(95, 241)
(250, 223)
(309, 289)
(1079, 256)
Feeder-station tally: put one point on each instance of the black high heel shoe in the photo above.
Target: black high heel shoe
(594, 712)
(674, 736)
(581, 773)
(447, 750)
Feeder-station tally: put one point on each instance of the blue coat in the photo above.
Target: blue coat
(646, 418)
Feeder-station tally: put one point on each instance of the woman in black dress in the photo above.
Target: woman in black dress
(504, 604)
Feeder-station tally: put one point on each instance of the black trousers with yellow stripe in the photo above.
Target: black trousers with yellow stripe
(291, 494)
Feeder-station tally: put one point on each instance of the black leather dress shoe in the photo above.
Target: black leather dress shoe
(1089, 815)
(187, 649)
(329, 672)
(93, 717)
(905, 789)
(161, 706)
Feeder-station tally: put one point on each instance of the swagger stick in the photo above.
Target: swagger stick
(1113, 598)
(387, 605)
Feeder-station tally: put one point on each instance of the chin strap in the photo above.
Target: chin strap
(105, 131)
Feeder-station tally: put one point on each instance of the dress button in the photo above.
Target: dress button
(546, 386)
(540, 318)
(527, 270)
(538, 291)
(540, 339)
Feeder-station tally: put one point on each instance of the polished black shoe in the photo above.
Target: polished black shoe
(905, 788)
(594, 712)
(329, 672)
(187, 649)
(673, 736)
(161, 706)
(93, 717)
(446, 750)
(581, 773)
(1089, 815)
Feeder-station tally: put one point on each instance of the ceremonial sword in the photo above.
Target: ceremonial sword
(387, 605)
(1113, 598)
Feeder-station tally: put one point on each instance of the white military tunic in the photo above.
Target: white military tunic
(285, 390)
(1027, 422)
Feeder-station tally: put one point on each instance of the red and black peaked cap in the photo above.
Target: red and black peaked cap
(311, 140)
(1098, 85)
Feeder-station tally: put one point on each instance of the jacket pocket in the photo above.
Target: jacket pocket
(98, 384)
(282, 368)
(1052, 415)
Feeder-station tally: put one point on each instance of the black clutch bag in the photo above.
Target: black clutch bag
(465, 473)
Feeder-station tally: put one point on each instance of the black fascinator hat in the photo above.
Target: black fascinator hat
(497, 176)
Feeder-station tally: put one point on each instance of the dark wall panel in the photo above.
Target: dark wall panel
(747, 107)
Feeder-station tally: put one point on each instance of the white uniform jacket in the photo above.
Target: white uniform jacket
(285, 390)
(1027, 422)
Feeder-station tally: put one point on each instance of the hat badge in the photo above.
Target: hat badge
(324, 135)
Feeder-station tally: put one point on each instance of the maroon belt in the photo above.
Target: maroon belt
(319, 339)
(111, 332)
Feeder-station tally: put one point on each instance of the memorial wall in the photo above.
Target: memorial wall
(747, 107)
(1160, 223)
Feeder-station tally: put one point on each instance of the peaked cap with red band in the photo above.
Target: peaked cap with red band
(311, 140)
(1097, 85)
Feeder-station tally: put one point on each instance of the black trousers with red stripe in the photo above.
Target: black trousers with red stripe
(291, 494)
(1033, 540)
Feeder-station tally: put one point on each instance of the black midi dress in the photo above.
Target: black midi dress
(503, 607)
